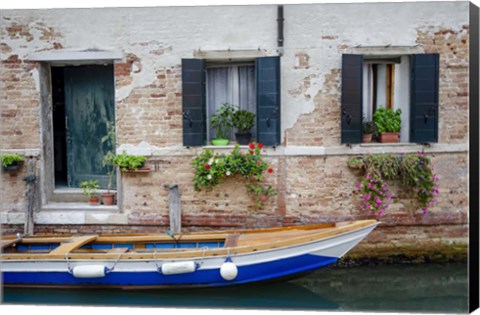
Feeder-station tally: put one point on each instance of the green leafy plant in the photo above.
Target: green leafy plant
(10, 159)
(243, 120)
(222, 121)
(129, 162)
(260, 193)
(356, 162)
(108, 158)
(89, 188)
(210, 169)
(387, 120)
(387, 164)
(368, 127)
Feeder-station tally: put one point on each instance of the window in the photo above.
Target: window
(233, 84)
(409, 83)
(204, 87)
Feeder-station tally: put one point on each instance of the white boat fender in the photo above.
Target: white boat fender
(176, 268)
(228, 270)
(90, 271)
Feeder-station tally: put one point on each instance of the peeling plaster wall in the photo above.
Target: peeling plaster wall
(310, 173)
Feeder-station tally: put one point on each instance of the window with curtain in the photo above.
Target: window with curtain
(233, 84)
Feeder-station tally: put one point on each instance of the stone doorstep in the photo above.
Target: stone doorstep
(70, 213)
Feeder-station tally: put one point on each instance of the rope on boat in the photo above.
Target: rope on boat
(108, 270)
(70, 269)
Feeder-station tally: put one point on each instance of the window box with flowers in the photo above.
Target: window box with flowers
(210, 169)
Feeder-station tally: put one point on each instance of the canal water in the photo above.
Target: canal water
(390, 288)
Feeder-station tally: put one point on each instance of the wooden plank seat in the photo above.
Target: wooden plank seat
(72, 244)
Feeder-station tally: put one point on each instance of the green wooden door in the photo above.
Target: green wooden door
(89, 104)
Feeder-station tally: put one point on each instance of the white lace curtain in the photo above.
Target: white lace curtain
(233, 84)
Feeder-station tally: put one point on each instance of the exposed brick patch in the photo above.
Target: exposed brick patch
(322, 125)
(156, 107)
(452, 45)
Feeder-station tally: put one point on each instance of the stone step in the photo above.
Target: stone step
(77, 206)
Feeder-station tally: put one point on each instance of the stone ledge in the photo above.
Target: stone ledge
(58, 217)
(292, 150)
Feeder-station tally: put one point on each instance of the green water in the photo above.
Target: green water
(392, 288)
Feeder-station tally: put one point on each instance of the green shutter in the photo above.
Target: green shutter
(193, 98)
(352, 99)
(268, 100)
(424, 98)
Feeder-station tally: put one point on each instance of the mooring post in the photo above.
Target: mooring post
(30, 183)
(175, 209)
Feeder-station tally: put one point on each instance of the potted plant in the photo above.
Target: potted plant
(368, 131)
(11, 162)
(128, 162)
(388, 123)
(261, 193)
(90, 190)
(243, 121)
(108, 198)
(222, 122)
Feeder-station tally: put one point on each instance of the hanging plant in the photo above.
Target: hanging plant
(210, 169)
(375, 197)
(415, 171)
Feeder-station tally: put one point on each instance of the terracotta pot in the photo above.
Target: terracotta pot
(389, 137)
(108, 199)
(93, 200)
(263, 198)
(367, 138)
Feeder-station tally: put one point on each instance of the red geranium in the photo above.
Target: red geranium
(252, 152)
(252, 146)
(207, 166)
(270, 170)
(260, 145)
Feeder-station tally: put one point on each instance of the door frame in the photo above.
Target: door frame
(47, 165)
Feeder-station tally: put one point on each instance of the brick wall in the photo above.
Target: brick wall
(311, 188)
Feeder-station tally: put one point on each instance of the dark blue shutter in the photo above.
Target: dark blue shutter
(193, 96)
(352, 99)
(268, 100)
(424, 98)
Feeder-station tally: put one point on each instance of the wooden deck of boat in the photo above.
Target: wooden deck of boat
(236, 241)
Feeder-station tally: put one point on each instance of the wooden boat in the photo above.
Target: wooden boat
(176, 260)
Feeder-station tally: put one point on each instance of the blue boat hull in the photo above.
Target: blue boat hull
(264, 271)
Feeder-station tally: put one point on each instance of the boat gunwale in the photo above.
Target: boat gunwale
(187, 253)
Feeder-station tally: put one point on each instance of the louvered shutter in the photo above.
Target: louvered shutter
(352, 100)
(424, 98)
(268, 100)
(193, 98)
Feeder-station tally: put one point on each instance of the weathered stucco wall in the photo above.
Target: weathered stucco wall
(313, 181)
